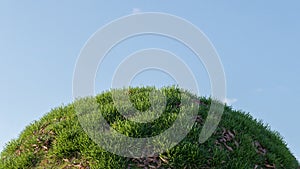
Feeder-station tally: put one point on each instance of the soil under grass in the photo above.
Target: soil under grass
(58, 140)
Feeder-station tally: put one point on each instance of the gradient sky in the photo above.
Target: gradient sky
(257, 41)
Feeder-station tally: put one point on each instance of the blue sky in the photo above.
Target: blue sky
(257, 41)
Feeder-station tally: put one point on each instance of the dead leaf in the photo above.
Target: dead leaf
(228, 147)
(270, 166)
(164, 160)
(151, 166)
(45, 148)
(66, 160)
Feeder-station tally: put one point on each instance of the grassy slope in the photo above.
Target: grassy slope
(58, 141)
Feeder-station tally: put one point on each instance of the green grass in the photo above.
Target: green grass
(58, 141)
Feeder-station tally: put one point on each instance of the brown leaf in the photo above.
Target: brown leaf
(45, 148)
(141, 165)
(231, 134)
(51, 132)
(151, 166)
(223, 140)
(270, 166)
(66, 160)
(228, 147)
(227, 137)
(78, 166)
(257, 144)
(149, 159)
(164, 160)
(18, 152)
(262, 150)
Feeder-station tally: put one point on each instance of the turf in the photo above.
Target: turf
(58, 140)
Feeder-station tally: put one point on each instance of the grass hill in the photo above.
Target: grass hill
(58, 140)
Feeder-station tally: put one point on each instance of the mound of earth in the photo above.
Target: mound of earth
(58, 139)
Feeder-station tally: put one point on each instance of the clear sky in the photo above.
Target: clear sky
(257, 41)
